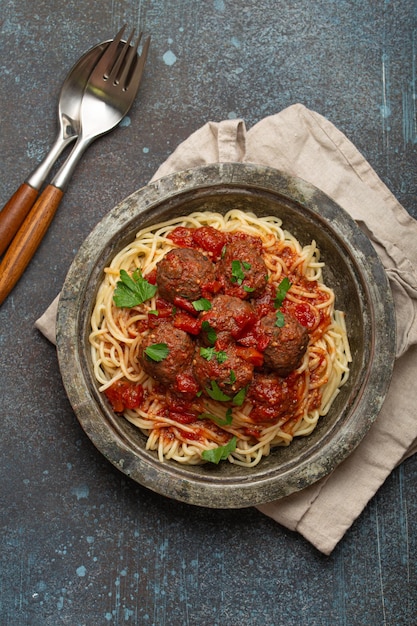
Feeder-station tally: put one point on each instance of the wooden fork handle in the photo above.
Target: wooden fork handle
(14, 212)
(28, 238)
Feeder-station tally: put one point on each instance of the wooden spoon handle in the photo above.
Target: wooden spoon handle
(28, 238)
(14, 212)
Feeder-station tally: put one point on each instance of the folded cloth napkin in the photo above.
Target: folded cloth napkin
(305, 144)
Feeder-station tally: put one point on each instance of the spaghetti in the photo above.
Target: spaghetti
(230, 394)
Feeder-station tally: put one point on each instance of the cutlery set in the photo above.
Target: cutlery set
(95, 96)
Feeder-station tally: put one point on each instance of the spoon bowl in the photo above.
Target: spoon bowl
(19, 205)
(69, 105)
(108, 95)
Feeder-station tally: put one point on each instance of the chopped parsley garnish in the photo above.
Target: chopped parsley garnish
(221, 356)
(216, 393)
(209, 353)
(238, 275)
(218, 420)
(280, 319)
(210, 332)
(157, 352)
(132, 290)
(202, 305)
(282, 290)
(220, 453)
(239, 398)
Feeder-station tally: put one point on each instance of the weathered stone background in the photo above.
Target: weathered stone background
(81, 544)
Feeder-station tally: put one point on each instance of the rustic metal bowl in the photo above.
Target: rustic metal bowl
(353, 270)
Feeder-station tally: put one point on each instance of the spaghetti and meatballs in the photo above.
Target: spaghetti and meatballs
(216, 336)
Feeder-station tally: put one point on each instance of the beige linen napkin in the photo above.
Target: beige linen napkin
(303, 143)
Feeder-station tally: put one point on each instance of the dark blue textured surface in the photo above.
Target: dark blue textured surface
(80, 543)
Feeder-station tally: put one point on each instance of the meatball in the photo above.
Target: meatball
(180, 352)
(287, 344)
(242, 270)
(182, 273)
(226, 368)
(272, 397)
(229, 317)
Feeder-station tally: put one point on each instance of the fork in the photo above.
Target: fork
(108, 96)
(19, 204)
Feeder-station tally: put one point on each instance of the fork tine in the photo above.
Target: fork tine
(110, 55)
(114, 73)
(131, 78)
(130, 62)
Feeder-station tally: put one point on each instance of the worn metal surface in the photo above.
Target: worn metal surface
(81, 543)
(353, 270)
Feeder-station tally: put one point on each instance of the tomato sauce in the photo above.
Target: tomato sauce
(205, 238)
(195, 435)
(271, 401)
(186, 384)
(182, 237)
(210, 240)
(182, 418)
(188, 323)
(124, 394)
(305, 315)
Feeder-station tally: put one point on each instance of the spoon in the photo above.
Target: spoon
(19, 205)
(108, 95)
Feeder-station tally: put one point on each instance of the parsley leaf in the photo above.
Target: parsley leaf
(210, 332)
(220, 453)
(132, 290)
(282, 290)
(221, 356)
(157, 352)
(232, 378)
(218, 420)
(216, 393)
(239, 398)
(237, 272)
(280, 319)
(202, 305)
(209, 353)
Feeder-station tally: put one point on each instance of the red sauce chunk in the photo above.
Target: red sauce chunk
(185, 321)
(274, 397)
(182, 237)
(124, 394)
(210, 240)
(304, 314)
(163, 311)
(182, 418)
(205, 238)
(185, 383)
